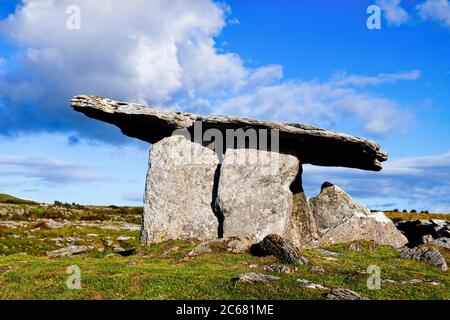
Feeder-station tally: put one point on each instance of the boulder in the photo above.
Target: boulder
(282, 249)
(416, 231)
(424, 253)
(316, 145)
(179, 191)
(339, 219)
(256, 197)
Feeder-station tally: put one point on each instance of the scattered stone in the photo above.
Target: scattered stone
(68, 251)
(132, 263)
(317, 269)
(178, 193)
(117, 248)
(340, 219)
(253, 266)
(328, 252)
(5, 268)
(92, 235)
(355, 246)
(281, 248)
(254, 277)
(310, 285)
(344, 294)
(279, 269)
(329, 259)
(412, 282)
(170, 250)
(441, 242)
(423, 231)
(109, 243)
(427, 254)
(124, 238)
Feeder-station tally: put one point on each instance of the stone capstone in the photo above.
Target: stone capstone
(315, 145)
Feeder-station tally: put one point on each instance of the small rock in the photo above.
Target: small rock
(441, 242)
(426, 254)
(317, 269)
(254, 277)
(170, 250)
(355, 246)
(92, 235)
(68, 251)
(5, 268)
(344, 294)
(328, 252)
(310, 285)
(124, 238)
(427, 238)
(253, 266)
(280, 269)
(282, 249)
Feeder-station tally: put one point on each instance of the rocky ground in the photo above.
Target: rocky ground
(39, 242)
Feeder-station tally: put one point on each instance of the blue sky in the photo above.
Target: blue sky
(312, 62)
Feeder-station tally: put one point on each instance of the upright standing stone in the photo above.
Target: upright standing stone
(179, 190)
(255, 198)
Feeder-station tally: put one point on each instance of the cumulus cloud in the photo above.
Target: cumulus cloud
(319, 103)
(420, 181)
(438, 10)
(161, 53)
(47, 171)
(393, 12)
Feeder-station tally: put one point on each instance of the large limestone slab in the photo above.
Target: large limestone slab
(339, 218)
(179, 192)
(315, 145)
(255, 197)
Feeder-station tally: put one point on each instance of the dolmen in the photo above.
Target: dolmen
(212, 177)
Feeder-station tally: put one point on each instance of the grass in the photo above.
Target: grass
(166, 271)
(401, 216)
(157, 272)
(6, 198)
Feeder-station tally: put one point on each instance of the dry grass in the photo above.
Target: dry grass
(401, 216)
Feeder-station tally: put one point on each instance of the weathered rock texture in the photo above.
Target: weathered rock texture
(256, 199)
(179, 192)
(315, 145)
(424, 231)
(427, 254)
(282, 249)
(339, 218)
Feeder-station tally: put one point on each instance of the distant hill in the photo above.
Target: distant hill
(6, 198)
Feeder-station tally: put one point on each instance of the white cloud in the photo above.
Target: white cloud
(393, 12)
(320, 103)
(342, 79)
(422, 182)
(438, 10)
(164, 53)
(47, 171)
